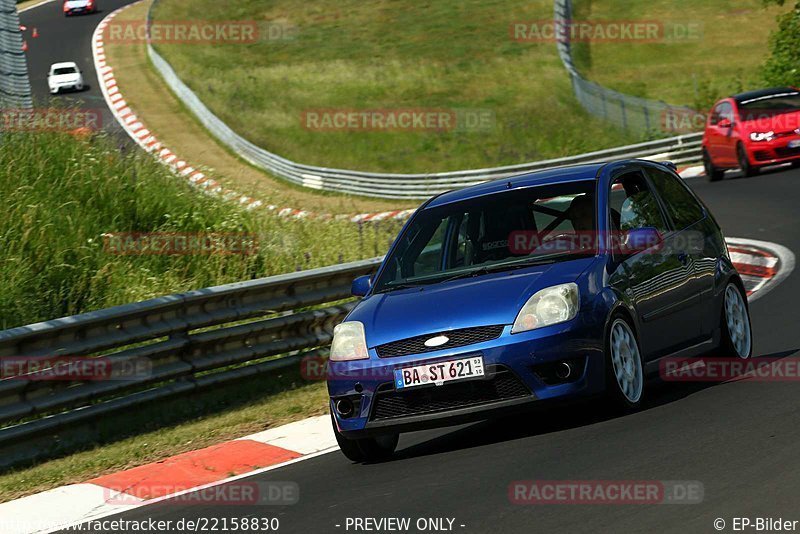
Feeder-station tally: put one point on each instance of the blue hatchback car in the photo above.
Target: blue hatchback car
(558, 284)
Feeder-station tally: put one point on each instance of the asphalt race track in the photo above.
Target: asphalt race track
(63, 38)
(738, 439)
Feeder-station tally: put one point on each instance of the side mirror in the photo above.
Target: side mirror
(361, 286)
(724, 123)
(641, 239)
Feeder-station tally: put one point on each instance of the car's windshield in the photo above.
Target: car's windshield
(64, 70)
(770, 105)
(504, 230)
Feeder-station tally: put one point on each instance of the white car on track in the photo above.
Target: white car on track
(79, 7)
(64, 75)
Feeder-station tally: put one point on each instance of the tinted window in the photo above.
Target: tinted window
(681, 205)
(769, 105)
(632, 204)
(715, 114)
(544, 223)
(726, 111)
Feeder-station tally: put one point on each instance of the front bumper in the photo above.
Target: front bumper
(65, 87)
(774, 152)
(517, 377)
(79, 11)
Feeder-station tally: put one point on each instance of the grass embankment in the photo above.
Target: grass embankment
(348, 54)
(724, 57)
(177, 129)
(60, 195)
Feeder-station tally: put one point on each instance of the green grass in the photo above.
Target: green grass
(61, 194)
(725, 59)
(402, 54)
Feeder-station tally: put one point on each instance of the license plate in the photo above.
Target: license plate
(438, 373)
(794, 144)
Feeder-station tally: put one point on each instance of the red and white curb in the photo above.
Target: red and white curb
(695, 171)
(208, 468)
(761, 264)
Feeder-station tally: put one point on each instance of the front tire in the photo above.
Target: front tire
(744, 162)
(737, 332)
(377, 449)
(714, 174)
(624, 369)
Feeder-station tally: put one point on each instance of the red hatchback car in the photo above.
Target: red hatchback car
(752, 130)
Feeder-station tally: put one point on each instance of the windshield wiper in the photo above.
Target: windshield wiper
(500, 267)
(394, 287)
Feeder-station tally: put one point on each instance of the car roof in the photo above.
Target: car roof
(572, 173)
(752, 95)
(63, 65)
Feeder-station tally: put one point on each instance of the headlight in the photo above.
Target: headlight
(349, 342)
(549, 306)
(762, 136)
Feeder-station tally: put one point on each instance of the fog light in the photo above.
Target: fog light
(563, 370)
(560, 372)
(344, 407)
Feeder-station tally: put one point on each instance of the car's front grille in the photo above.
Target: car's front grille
(762, 155)
(500, 384)
(785, 152)
(457, 338)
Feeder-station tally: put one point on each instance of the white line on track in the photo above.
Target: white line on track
(34, 6)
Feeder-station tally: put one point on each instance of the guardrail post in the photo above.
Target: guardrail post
(624, 115)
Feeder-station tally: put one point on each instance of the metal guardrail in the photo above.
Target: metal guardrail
(184, 342)
(15, 87)
(640, 115)
(681, 149)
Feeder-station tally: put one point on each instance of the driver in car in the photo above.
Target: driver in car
(582, 237)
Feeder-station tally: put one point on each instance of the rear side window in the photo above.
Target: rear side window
(681, 205)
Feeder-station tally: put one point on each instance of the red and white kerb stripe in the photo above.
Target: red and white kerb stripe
(756, 265)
